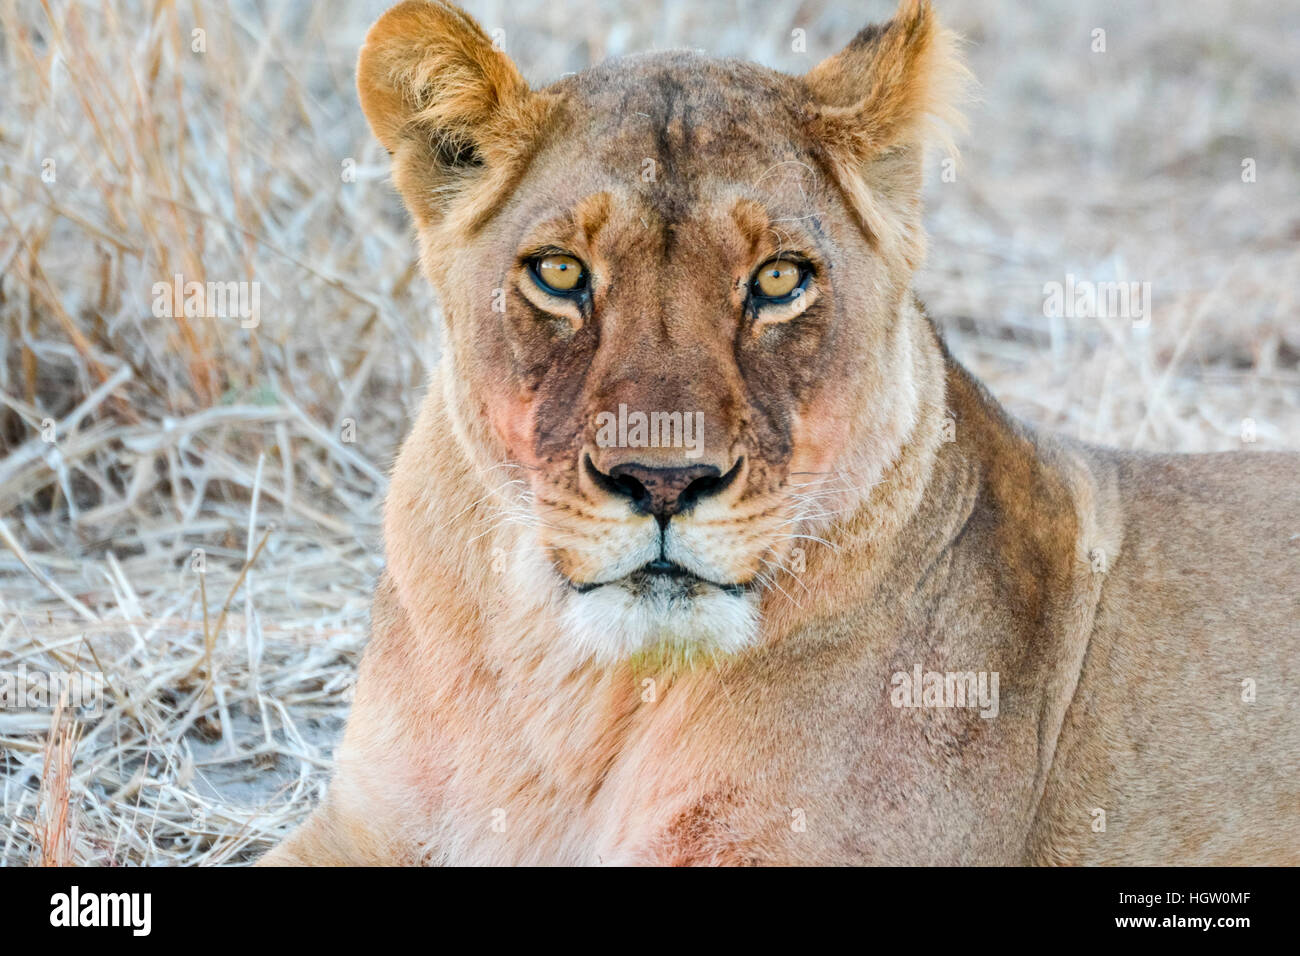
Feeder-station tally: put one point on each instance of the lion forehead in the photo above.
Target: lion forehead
(686, 112)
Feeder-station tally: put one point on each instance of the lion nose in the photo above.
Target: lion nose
(663, 492)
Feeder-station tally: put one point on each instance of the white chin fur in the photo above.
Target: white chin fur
(611, 623)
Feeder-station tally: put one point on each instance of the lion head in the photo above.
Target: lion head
(671, 290)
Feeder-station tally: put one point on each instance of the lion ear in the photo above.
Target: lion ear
(448, 105)
(877, 103)
(895, 84)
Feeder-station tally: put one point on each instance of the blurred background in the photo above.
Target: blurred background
(189, 506)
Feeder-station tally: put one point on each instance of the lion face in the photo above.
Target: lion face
(670, 287)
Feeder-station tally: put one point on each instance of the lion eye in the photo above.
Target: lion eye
(560, 273)
(777, 279)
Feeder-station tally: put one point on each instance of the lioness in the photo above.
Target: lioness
(703, 549)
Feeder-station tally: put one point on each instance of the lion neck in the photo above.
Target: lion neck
(894, 463)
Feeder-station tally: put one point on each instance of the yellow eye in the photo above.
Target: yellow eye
(560, 273)
(777, 279)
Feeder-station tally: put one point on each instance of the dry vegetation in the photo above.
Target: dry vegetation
(226, 690)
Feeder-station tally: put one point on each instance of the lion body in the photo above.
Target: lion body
(1121, 685)
(1136, 616)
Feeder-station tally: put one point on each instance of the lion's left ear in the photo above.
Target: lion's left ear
(877, 103)
(452, 109)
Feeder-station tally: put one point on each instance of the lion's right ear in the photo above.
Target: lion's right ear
(450, 107)
(876, 104)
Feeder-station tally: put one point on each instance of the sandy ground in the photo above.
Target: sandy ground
(130, 155)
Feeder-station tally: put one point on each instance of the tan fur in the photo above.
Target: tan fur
(886, 513)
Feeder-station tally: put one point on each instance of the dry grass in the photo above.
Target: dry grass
(226, 690)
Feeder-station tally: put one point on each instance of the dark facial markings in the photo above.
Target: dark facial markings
(754, 383)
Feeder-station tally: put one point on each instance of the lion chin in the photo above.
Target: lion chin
(670, 615)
